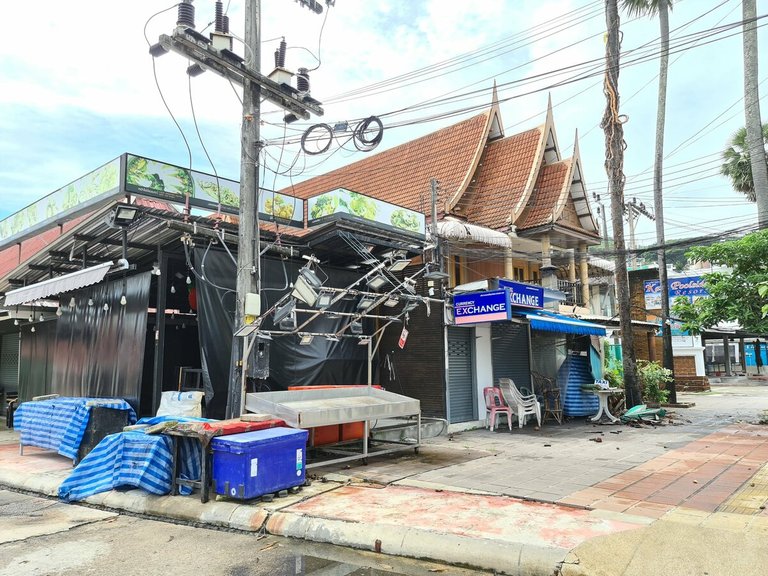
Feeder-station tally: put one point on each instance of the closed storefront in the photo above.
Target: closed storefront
(510, 353)
(9, 363)
(461, 381)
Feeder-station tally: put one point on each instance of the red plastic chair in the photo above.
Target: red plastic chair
(494, 404)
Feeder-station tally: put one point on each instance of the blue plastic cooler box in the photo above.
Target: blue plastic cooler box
(251, 464)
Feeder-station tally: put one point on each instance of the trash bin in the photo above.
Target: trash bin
(252, 464)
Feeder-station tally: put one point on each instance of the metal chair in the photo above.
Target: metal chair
(550, 395)
(494, 404)
(523, 406)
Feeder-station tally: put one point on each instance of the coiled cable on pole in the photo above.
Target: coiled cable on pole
(311, 132)
(362, 141)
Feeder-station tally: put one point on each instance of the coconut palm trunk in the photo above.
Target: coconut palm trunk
(752, 113)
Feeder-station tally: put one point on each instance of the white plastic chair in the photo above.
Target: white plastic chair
(523, 406)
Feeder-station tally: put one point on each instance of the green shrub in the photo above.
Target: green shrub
(653, 378)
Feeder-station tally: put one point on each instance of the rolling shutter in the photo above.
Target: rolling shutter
(9, 363)
(509, 353)
(461, 381)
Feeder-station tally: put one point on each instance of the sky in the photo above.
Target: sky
(80, 88)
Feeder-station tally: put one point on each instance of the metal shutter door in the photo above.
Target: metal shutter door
(509, 353)
(461, 397)
(9, 363)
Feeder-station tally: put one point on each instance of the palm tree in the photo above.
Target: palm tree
(737, 163)
(661, 8)
(755, 144)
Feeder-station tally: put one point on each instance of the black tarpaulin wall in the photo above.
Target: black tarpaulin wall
(98, 352)
(321, 362)
(36, 359)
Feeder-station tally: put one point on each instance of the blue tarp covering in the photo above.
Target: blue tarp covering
(134, 459)
(553, 322)
(59, 423)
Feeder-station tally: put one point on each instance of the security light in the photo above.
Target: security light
(124, 215)
(306, 339)
(356, 327)
(284, 311)
(377, 282)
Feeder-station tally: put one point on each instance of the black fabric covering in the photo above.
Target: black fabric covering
(290, 364)
(100, 353)
(36, 359)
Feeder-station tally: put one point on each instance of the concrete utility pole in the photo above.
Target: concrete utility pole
(614, 166)
(248, 250)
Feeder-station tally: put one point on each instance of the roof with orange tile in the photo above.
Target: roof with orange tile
(401, 175)
(542, 207)
(501, 178)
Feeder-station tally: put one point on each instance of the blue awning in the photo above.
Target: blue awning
(553, 322)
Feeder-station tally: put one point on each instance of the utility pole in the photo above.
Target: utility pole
(248, 249)
(634, 211)
(614, 166)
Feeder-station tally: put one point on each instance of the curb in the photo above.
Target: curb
(507, 557)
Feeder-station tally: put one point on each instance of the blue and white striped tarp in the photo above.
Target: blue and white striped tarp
(59, 423)
(134, 459)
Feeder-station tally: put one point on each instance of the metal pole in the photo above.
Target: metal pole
(248, 270)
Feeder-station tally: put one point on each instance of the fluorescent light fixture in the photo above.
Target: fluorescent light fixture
(392, 301)
(377, 282)
(399, 265)
(324, 300)
(366, 302)
(282, 312)
(356, 327)
(306, 339)
(304, 292)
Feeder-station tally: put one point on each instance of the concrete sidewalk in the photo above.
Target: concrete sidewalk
(685, 498)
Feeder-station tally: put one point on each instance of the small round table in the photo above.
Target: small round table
(603, 397)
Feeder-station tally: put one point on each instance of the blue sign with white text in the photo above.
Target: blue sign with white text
(525, 295)
(481, 306)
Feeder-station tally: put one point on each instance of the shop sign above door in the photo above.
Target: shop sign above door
(481, 306)
(526, 295)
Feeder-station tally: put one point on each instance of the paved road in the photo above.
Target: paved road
(41, 537)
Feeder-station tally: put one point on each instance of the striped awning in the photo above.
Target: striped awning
(58, 285)
(553, 322)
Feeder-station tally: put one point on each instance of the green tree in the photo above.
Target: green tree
(661, 9)
(734, 295)
(737, 163)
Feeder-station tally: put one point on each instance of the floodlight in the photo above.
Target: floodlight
(365, 303)
(364, 341)
(122, 216)
(410, 285)
(399, 265)
(436, 275)
(311, 278)
(289, 323)
(306, 339)
(303, 291)
(245, 330)
(324, 299)
(392, 301)
(332, 338)
(284, 311)
(356, 327)
(377, 282)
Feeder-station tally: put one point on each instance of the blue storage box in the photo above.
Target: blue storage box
(251, 464)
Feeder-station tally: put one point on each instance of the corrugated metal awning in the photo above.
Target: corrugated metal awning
(58, 285)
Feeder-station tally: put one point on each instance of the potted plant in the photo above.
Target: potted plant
(653, 379)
